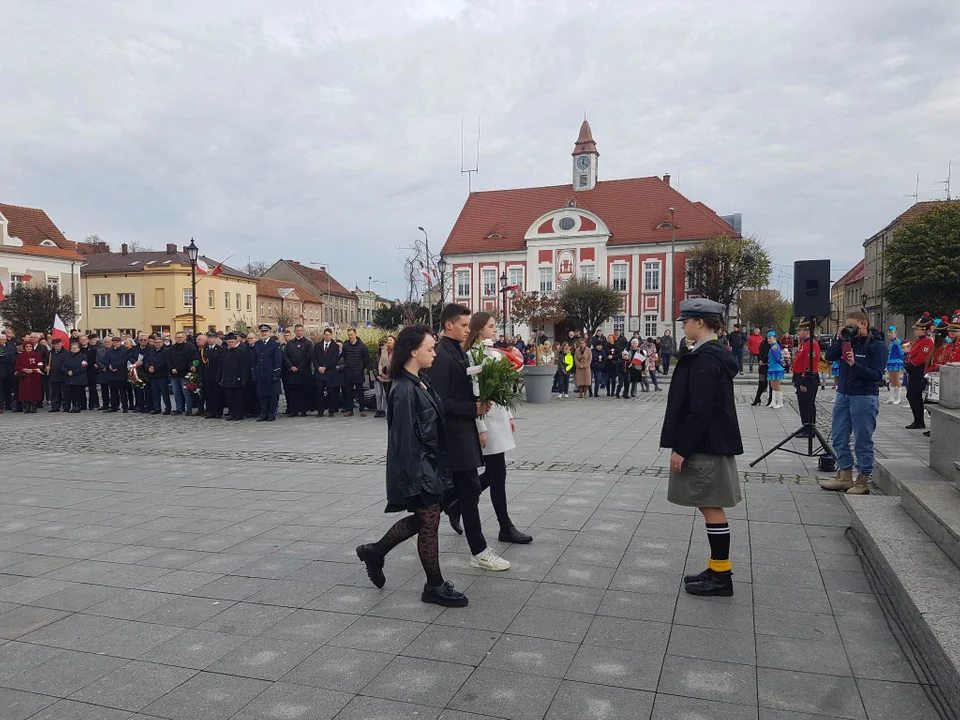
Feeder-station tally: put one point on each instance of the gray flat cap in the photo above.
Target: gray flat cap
(700, 308)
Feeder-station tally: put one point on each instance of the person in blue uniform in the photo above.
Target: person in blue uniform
(776, 370)
(895, 356)
(268, 363)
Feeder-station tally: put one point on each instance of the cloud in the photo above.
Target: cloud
(331, 131)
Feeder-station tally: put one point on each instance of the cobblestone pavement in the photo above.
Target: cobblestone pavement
(164, 567)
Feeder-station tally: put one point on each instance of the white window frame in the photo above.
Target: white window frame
(516, 276)
(619, 283)
(238, 301)
(463, 283)
(248, 303)
(226, 300)
(188, 297)
(588, 272)
(99, 298)
(546, 279)
(16, 281)
(651, 273)
(122, 299)
(128, 331)
(651, 321)
(54, 284)
(262, 314)
(620, 323)
(488, 276)
(212, 298)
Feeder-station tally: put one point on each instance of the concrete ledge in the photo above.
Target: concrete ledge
(944, 440)
(935, 506)
(887, 474)
(920, 582)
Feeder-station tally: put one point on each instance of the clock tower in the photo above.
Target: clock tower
(585, 157)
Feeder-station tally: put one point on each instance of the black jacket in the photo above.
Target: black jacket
(701, 416)
(159, 360)
(8, 359)
(210, 356)
(234, 367)
(736, 339)
(298, 353)
(91, 352)
(356, 359)
(55, 361)
(449, 379)
(416, 442)
(598, 347)
(331, 361)
(116, 358)
(182, 356)
(74, 363)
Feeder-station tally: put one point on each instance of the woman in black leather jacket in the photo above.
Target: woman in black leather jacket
(416, 459)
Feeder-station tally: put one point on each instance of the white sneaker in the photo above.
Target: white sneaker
(566, 395)
(489, 560)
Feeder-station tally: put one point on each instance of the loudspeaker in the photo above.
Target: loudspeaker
(811, 288)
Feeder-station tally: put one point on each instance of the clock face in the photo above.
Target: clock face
(583, 162)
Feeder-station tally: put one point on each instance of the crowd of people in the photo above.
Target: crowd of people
(215, 375)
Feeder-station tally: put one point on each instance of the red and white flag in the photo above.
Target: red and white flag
(3, 294)
(202, 267)
(60, 330)
(217, 270)
(27, 276)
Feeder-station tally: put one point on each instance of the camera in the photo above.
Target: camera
(848, 333)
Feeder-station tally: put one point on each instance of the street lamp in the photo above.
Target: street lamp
(863, 300)
(503, 305)
(673, 274)
(442, 268)
(193, 252)
(426, 246)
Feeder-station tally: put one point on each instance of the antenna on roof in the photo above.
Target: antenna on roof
(946, 183)
(476, 165)
(916, 191)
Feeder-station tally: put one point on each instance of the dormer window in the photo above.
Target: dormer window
(493, 236)
(665, 226)
(48, 243)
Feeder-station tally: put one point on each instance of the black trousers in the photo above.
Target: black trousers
(118, 394)
(94, 395)
(495, 477)
(268, 405)
(78, 396)
(328, 397)
(234, 397)
(58, 396)
(298, 398)
(806, 401)
(468, 487)
(44, 388)
(915, 393)
(352, 391)
(213, 400)
(7, 392)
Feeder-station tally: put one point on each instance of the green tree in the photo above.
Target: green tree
(923, 272)
(720, 268)
(765, 309)
(588, 304)
(30, 308)
(388, 318)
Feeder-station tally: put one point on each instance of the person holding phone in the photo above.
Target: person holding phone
(862, 356)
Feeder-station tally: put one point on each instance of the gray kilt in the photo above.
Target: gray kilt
(706, 481)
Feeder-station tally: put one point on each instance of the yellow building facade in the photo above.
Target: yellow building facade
(152, 292)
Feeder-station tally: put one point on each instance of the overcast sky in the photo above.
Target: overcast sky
(330, 134)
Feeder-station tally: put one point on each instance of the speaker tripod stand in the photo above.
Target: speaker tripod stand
(807, 430)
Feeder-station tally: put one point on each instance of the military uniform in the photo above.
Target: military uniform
(268, 363)
(915, 366)
(805, 377)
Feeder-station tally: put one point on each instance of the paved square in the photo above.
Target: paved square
(182, 568)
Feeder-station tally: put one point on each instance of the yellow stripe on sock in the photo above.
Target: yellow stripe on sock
(719, 565)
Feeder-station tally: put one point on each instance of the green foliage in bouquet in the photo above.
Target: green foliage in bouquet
(498, 381)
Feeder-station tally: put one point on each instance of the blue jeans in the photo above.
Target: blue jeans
(738, 356)
(665, 361)
(182, 396)
(856, 414)
(597, 381)
(159, 391)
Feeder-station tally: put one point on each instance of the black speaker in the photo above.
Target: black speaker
(811, 288)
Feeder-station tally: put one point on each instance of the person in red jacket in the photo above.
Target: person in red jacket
(953, 337)
(805, 377)
(916, 364)
(945, 346)
(753, 346)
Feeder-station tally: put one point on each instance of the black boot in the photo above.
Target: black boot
(720, 584)
(915, 426)
(509, 533)
(373, 559)
(453, 515)
(699, 577)
(443, 595)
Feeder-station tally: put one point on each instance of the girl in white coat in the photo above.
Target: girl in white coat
(496, 430)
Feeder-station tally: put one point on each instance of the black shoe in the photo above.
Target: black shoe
(927, 434)
(512, 535)
(720, 584)
(453, 515)
(374, 561)
(261, 418)
(54, 410)
(271, 418)
(177, 412)
(166, 412)
(916, 426)
(125, 411)
(699, 577)
(443, 595)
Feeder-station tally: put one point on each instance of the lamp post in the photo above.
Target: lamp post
(673, 275)
(193, 252)
(442, 268)
(503, 304)
(426, 246)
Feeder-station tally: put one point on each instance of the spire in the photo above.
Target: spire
(585, 142)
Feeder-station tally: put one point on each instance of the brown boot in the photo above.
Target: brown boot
(843, 482)
(861, 486)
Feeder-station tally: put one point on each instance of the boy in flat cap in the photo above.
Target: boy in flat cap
(701, 427)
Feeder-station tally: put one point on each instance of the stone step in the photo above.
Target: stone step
(935, 506)
(944, 441)
(919, 582)
(887, 473)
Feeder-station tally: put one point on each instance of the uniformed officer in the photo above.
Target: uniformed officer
(806, 380)
(700, 425)
(268, 362)
(916, 365)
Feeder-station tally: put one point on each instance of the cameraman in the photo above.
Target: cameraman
(858, 401)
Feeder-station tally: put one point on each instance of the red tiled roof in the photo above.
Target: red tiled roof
(33, 226)
(320, 279)
(132, 262)
(911, 212)
(852, 275)
(631, 208)
(269, 287)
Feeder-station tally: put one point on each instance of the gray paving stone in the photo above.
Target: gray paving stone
(537, 656)
(73, 631)
(886, 700)
(16, 657)
(129, 604)
(194, 648)
(133, 686)
(576, 700)
(70, 710)
(379, 634)
(551, 624)
(567, 597)
(19, 705)
(245, 619)
(186, 612)
(25, 619)
(263, 658)
(786, 623)
(132, 640)
(368, 708)
(636, 669)
(626, 634)
(803, 655)
(418, 681)
(708, 680)
(207, 695)
(835, 697)
(282, 700)
(65, 673)
(720, 645)
(672, 707)
(452, 644)
(638, 606)
(514, 696)
(314, 627)
(76, 598)
(339, 668)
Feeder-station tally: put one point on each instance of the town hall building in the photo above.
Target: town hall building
(632, 234)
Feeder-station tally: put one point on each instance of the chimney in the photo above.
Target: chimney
(124, 249)
(171, 249)
(666, 179)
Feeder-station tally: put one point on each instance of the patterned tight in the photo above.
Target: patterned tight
(423, 523)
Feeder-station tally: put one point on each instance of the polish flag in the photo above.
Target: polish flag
(3, 295)
(202, 267)
(217, 270)
(27, 276)
(60, 330)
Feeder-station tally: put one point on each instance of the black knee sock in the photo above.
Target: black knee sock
(719, 536)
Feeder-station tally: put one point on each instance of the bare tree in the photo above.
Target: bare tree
(256, 267)
(137, 246)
